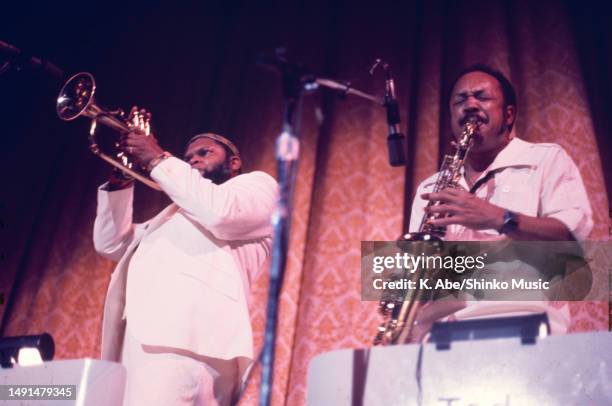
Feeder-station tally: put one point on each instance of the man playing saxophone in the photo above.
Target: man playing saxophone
(510, 189)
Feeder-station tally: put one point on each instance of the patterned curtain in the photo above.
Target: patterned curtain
(194, 69)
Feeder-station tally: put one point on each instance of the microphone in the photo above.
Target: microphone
(278, 62)
(395, 139)
(24, 60)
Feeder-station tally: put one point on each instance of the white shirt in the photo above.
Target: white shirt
(538, 180)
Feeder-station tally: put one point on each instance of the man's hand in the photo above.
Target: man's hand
(118, 180)
(139, 143)
(143, 148)
(465, 209)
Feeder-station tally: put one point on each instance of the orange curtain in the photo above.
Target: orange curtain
(345, 193)
(352, 194)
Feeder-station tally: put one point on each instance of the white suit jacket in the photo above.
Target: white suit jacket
(183, 277)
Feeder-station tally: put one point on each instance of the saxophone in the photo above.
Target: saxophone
(399, 315)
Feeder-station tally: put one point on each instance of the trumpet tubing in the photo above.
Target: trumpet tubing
(76, 99)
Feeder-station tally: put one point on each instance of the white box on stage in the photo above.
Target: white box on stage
(574, 369)
(95, 382)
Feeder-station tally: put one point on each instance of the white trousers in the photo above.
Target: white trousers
(168, 376)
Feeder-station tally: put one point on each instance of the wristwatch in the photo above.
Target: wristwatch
(510, 222)
(157, 160)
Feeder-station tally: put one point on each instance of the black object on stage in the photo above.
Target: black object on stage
(527, 328)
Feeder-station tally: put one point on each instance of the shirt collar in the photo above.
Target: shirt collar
(515, 154)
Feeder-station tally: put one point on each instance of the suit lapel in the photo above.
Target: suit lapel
(159, 219)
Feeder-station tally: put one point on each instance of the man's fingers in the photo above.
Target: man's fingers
(443, 196)
(447, 195)
(447, 221)
(455, 191)
(442, 208)
(132, 139)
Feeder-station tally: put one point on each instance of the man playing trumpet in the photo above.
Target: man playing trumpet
(176, 311)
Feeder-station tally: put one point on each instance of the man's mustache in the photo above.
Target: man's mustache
(477, 117)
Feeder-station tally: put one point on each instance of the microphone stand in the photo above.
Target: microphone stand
(17, 59)
(295, 80)
(287, 154)
(346, 89)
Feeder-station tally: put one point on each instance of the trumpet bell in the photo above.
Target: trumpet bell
(76, 96)
(76, 99)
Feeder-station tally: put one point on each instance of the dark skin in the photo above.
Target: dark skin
(141, 148)
(479, 94)
(211, 160)
(205, 155)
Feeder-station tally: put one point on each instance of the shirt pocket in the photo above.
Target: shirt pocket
(516, 191)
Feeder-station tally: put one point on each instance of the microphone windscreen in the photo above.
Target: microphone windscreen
(397, 151)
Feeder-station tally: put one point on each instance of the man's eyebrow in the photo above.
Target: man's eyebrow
(475, 92)
(197, 151)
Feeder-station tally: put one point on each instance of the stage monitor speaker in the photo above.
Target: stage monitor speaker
(93, 382)
(573, 369)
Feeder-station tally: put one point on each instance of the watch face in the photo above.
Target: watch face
(510, 222)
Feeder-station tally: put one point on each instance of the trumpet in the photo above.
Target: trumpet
(76, 99)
